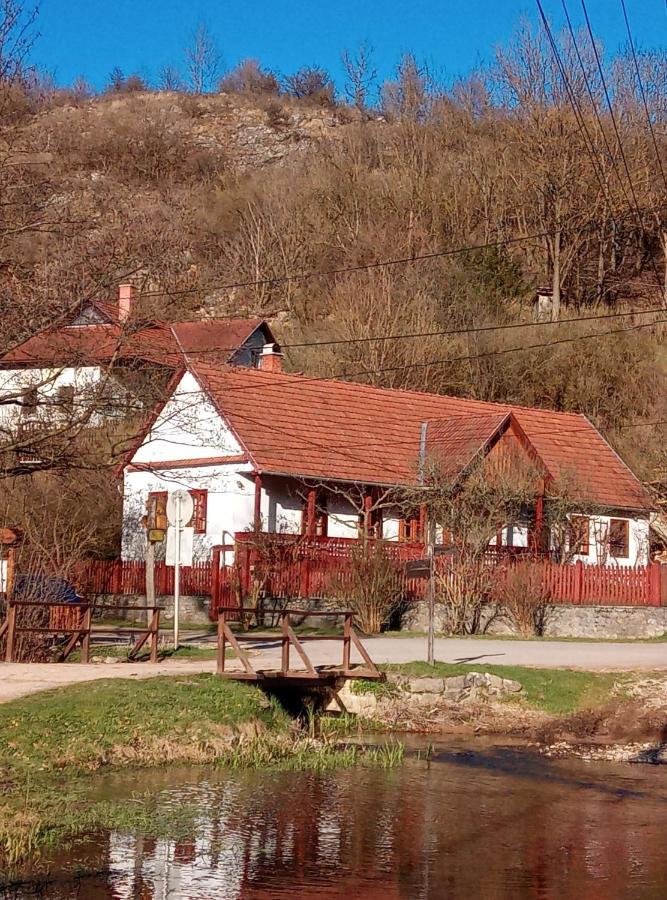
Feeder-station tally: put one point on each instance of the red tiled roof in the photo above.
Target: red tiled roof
(338, 430)
(160, 342)
(209, 335)
(455, 442)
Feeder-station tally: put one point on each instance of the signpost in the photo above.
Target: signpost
(180, 508)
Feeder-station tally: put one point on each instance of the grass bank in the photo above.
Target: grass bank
(52, 743)
(558, 692)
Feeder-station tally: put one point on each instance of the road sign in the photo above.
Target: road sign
(187, 507)
(418, 568)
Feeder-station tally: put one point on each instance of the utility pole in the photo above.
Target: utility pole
(177, 567)
(150, 577)
(430, 552)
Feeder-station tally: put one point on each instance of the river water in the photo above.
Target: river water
(491, 823)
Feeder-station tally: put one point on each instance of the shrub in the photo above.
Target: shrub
(249, 78)
(311, 83)
(525, 596)
(372, 587)
(463, 586)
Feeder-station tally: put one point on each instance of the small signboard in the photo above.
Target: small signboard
(185, 555)
(418, 568)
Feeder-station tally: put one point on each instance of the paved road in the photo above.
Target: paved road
(18, 679)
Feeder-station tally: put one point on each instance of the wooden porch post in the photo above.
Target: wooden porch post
(310, 512)
(422, 522)
(368, 505)
(257, 517)
(538, 527)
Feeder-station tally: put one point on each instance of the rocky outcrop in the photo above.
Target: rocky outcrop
(406, 692)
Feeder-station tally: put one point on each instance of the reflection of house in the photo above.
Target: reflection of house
(104, 364)
(264, 450)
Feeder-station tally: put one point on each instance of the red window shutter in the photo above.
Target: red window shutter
(157, 510)
(198, 520)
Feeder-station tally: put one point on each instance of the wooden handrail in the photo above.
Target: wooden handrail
(80, 632)
(292, 611)
(289, 639)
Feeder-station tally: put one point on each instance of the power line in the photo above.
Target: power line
(282, 385)
(475, 329)
(643, 93)
(594, 107)
(325, 273)
(577, 111)
(616, 131)
(377, 264)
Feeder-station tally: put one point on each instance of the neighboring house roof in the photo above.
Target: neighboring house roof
(198, 339)
(337, 430)
(161, 342)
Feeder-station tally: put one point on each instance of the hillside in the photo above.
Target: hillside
(187, 193)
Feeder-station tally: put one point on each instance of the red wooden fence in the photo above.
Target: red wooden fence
(122, 576)
(287, 567)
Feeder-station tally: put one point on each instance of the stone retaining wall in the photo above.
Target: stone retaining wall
(193, 610)
(611, 622)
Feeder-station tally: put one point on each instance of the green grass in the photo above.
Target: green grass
(555, 691)
(120, 651)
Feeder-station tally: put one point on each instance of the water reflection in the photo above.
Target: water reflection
(499, 824)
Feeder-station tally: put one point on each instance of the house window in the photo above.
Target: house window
(408, 530)
(580, 530)
(65, 399)
(29, 400)
(157, 510)
(374, 526)
(198, 520)
(619, 538)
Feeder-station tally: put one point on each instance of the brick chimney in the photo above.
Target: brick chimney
(271, 359)
(125, 301)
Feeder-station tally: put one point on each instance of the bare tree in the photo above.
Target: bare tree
(361, 75)
(171, 79)
(202, 60)
(311, 83)
(17, 35)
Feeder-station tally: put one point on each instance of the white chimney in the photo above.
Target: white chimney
(271, 359)
(125, 301)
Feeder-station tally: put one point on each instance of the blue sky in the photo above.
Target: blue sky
(90, 37)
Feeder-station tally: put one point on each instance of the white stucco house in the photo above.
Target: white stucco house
(104, 363)
(266, 451)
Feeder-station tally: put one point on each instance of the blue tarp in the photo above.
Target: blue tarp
(44, 588)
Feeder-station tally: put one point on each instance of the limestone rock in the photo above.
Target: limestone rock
(426, 685)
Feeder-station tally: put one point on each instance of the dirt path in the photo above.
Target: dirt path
(17, 680)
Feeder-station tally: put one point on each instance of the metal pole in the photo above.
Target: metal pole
(430, 648)
(177, 570)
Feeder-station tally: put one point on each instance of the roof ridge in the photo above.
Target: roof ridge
(299, 376)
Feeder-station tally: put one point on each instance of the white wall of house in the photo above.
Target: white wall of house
(230, 504)
(638, 542)
(47, 382)
(598, 539)
(189, 426)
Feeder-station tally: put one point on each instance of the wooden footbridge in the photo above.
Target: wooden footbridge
(305, 675)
